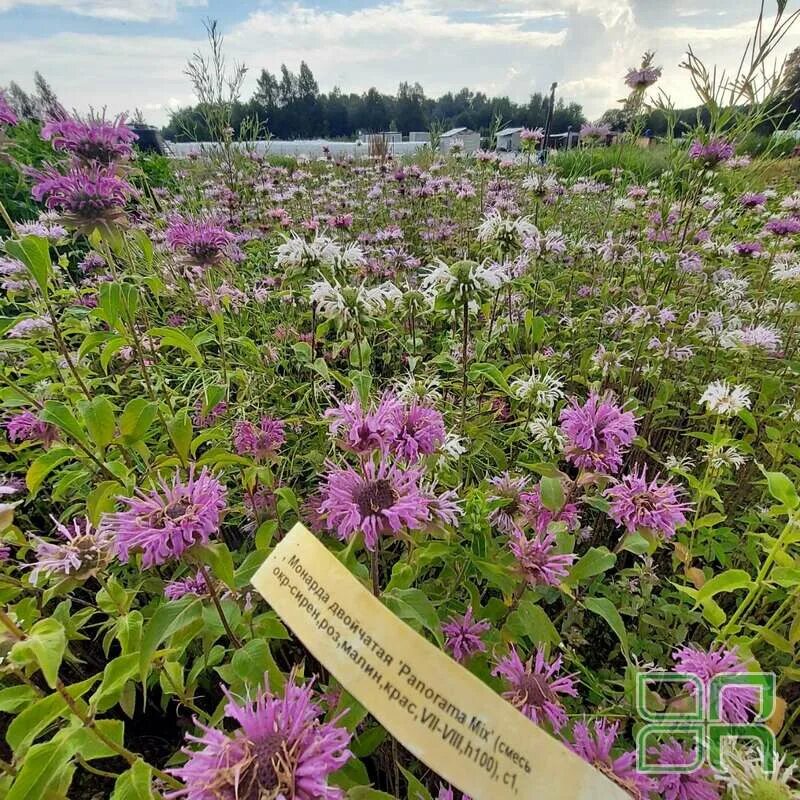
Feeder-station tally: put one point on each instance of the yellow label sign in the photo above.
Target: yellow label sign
(438, 710)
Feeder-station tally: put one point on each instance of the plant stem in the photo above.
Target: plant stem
(212, 590)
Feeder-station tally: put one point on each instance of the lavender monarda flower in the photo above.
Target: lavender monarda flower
(194, 585)
(540, 517)
(419, 431)
(710, 153)
(281, 749)
(598, 433)
(165, 522)
(447, 793)
(82, 553)
(95, 140)
(363, 430)
(203, 242)
(641, 79)
(27, 427)
(596, 748)
(463, 635)
(381, 499)
(535, 686)
(538, 560)
(699, 784)
(7, 115)
(738, 702)
(639, 504)
(86, 197)
(260, 441)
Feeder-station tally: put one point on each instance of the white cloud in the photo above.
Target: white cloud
(515, 48)
(118, 10)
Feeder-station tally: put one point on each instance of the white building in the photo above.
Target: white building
(469, 141)
(419, 136)
(508, 139)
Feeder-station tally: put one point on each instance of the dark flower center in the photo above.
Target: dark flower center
(374, 497)
(269, 774)
(534, 690)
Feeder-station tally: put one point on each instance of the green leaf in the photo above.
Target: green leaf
(45, 645)
(29, 723)
(174, 337)
(42, 466)
(134, 784)
(604, 608)
(414, 605)
(531, 620)
(593, 562)
(116, 674)
(13, 697)
(90, 746)
(34, 253)
(365, 793)
(98, 416)
(727, 581)
(136, 420)
(781, 488)
(101, 500)
(416, 791)
(710, 520)
(552, 493)
(168, 619)
(42, 768)
(180, 431)
(253, 662)
(219, 558)
(59, 415)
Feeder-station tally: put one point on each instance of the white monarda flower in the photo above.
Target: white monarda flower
(297, 252)
(542, 390)
(422, 389)
(453, 446)
(349, 303)
(547, 435)
(506, 232)
(747, 779)
(725, 399)
(464, 278)
(723, 457)
(785, 271)
(541, 184)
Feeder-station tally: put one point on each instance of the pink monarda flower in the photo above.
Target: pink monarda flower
(86, 197)
(710, 153)
(783, 226)
(194, 585)
(7, 115)
(531, 135)
(641, 79)
(166, 521)
(447, 793)
(535, 687)
(463, 635)
(540, 517)
(27, 427)
(738, 702)
(537, 558)
(419, 431)
(638, 504)
(510, 490)
(381, 499)
(95, 140)
(203, 242)
(260, 441)
(82, 552)
(596, 747)
(594, 130)
(361, 430)
(696, 785)
(598, 433)
(210, 417)
(281, 749)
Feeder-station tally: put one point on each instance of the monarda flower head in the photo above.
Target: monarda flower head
(379, 500)
(87, 198)
(27, 427)
(82, 553)
(538, 560)
(738, 703)
(281, 750)
(639, 504)
(203, 242)
(535, 686)
(463, 635)
(595, 747)
(364, 430)
(7, 115)
(539, 517)
(598, 433)
(509, 490)
(418, 431)
(95, 140)
(698, 784)
(166, 521)
(710, 153)
(259, 441)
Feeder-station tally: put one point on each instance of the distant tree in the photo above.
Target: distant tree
(49, 105)
(410, 108)
(790, 85)
(23, 103)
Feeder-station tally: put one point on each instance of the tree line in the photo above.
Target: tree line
(291, 106)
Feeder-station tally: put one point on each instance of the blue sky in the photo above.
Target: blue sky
(127, 54)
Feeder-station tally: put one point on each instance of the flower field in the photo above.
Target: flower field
(549, 418)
